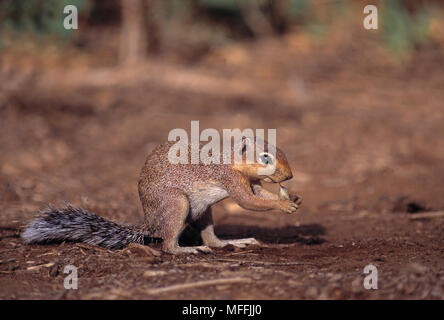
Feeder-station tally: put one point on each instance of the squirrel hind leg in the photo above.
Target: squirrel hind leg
(173, 214)
(209, 237)
(206, 227)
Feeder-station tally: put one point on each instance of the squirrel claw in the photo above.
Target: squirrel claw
(284, 195)
(203, 249)
(241, 243)
(189, 250)
(289, 206)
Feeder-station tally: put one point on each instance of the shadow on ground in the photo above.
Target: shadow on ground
(309, 234)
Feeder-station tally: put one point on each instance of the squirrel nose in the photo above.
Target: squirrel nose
(289, 176)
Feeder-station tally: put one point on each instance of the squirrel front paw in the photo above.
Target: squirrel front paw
(285, 195)
(288, 206)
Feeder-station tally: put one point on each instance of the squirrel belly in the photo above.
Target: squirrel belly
(74, 224)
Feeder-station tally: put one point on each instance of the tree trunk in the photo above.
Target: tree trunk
(133, 32)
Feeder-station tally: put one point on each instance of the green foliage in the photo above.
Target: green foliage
(173, 10)
(299, 7)
(316, 30)
(318, 18)
(219, 4)
(401, 29)
(36, 17)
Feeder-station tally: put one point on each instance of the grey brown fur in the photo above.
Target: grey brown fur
(172, 196)
(79, 225)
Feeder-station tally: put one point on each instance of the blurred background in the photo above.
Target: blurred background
(358, 112)
(355, 100)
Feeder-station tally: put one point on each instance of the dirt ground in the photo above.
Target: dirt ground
(365, 141)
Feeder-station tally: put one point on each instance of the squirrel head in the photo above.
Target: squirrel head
(270, 163)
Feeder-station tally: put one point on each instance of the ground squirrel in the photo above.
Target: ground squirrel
(173, 196)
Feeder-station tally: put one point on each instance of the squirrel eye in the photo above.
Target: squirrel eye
(265, 158)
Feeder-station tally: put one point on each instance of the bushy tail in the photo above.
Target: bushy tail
(79, 225)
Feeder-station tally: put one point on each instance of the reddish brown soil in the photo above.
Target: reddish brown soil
(366, 144)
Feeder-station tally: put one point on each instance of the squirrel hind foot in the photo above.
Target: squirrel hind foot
(187, 250)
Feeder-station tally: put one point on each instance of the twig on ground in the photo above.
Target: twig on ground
(184, 286)
(266, 263)
(426, 215)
